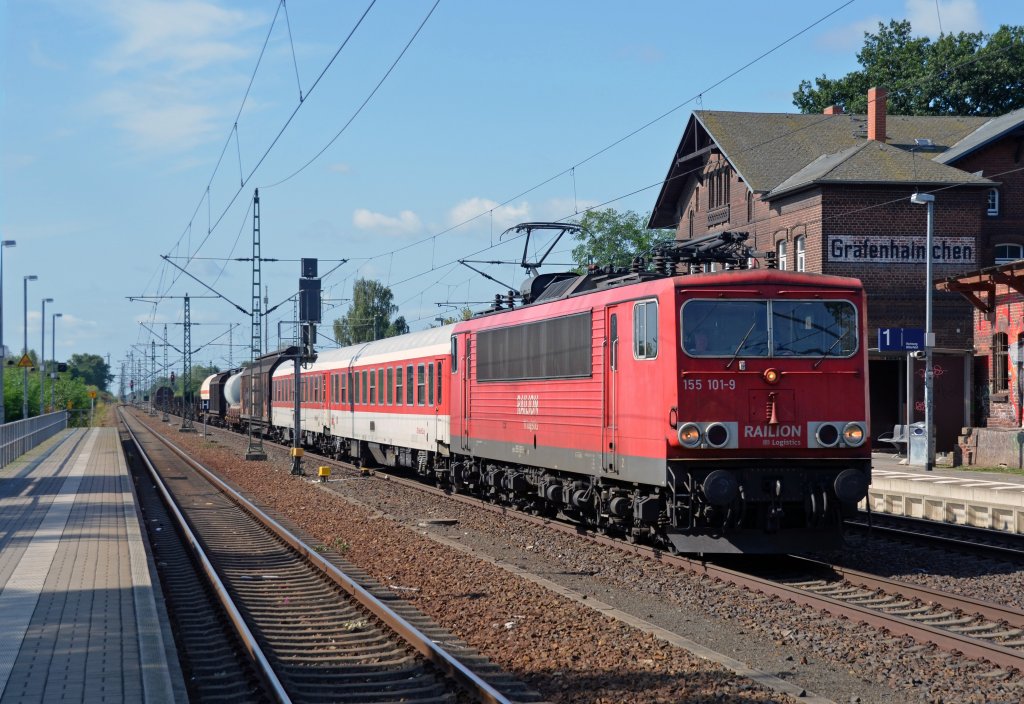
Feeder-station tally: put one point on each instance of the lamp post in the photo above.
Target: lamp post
(929, 336)
(3, 350)
(24, 351)
(42, 357)
(53, 356)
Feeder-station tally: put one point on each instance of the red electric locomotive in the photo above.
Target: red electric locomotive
(707, 412)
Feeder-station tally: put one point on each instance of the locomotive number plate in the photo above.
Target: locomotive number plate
(711, 384)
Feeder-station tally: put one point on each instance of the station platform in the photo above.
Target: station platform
(81, 615)
(989, 500)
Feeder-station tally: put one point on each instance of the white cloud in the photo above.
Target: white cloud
(174, 63)
(181, 36)
(957, 16)
(43, 60)
(339, 168)
(406, 223)
(504, 216)
(160, 118)
(642, 53)
(564, 209)
(848, 37)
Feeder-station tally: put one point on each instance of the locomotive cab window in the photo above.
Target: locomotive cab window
(455, 354)
(645, 330)
(775, 328)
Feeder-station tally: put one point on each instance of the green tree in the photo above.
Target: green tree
(463, 314)
(369, 315)
(970, 73)
(90, 368)
(611, 237)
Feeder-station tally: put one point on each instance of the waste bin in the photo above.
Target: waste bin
(917, 445)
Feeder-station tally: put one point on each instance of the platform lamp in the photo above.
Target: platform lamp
(24, 351)
(53, 357)
(42, 357)
(3, 350)
(929, 336)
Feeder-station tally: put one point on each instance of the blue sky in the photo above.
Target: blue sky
(115, 112)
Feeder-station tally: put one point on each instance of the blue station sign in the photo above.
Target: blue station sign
(900, 339)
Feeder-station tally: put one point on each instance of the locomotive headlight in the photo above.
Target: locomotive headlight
(827, 435)
(853, 434)
(771, 376)
(717, 435)
(689, 435)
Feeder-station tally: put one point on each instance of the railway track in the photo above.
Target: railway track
(312, 631)
(976, 541)
(977, 629)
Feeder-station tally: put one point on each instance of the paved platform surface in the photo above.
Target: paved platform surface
(81, 616)
(982, 499)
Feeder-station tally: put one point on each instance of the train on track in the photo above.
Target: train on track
(704, 411)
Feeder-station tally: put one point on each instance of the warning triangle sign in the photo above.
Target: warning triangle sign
(25, 361)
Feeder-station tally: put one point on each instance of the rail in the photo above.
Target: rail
(479, 689)
(19, 437)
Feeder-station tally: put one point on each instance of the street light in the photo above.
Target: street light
(3, 350)
(53, 356)
(929, 336)
(24, 351)
(42, 356)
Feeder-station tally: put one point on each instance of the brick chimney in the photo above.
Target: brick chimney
(833, 110)
(876, 113)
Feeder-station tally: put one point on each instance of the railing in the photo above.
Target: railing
(19, 437)
(718, 216)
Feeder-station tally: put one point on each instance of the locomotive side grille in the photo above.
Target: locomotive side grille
(549, 349)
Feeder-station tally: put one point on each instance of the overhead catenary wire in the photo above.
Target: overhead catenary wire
(214, 224)
(906, 85)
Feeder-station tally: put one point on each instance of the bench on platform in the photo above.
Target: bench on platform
(897, 438)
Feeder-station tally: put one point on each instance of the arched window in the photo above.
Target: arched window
(750, 206)
(780, 255)
(1000, 363)
(799, 246)
(993, 202)
(1008, 252)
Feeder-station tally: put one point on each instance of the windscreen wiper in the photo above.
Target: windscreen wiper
(742, 342)
(839, 338)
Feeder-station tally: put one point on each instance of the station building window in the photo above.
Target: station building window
(781, 255)
(992, 202)
(1000, 363)
(800, 247)
(1006, 253)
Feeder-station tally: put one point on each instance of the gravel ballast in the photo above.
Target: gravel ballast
(571, 653)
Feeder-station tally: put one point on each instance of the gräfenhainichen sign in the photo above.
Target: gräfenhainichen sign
(900, 249)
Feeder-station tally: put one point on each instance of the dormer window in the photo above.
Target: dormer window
(993, 202)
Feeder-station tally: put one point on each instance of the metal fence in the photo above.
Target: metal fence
(19, 437)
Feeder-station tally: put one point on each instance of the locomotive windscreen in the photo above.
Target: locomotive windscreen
(775, 328)
(549, 349)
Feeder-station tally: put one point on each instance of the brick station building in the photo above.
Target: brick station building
(831, 194)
